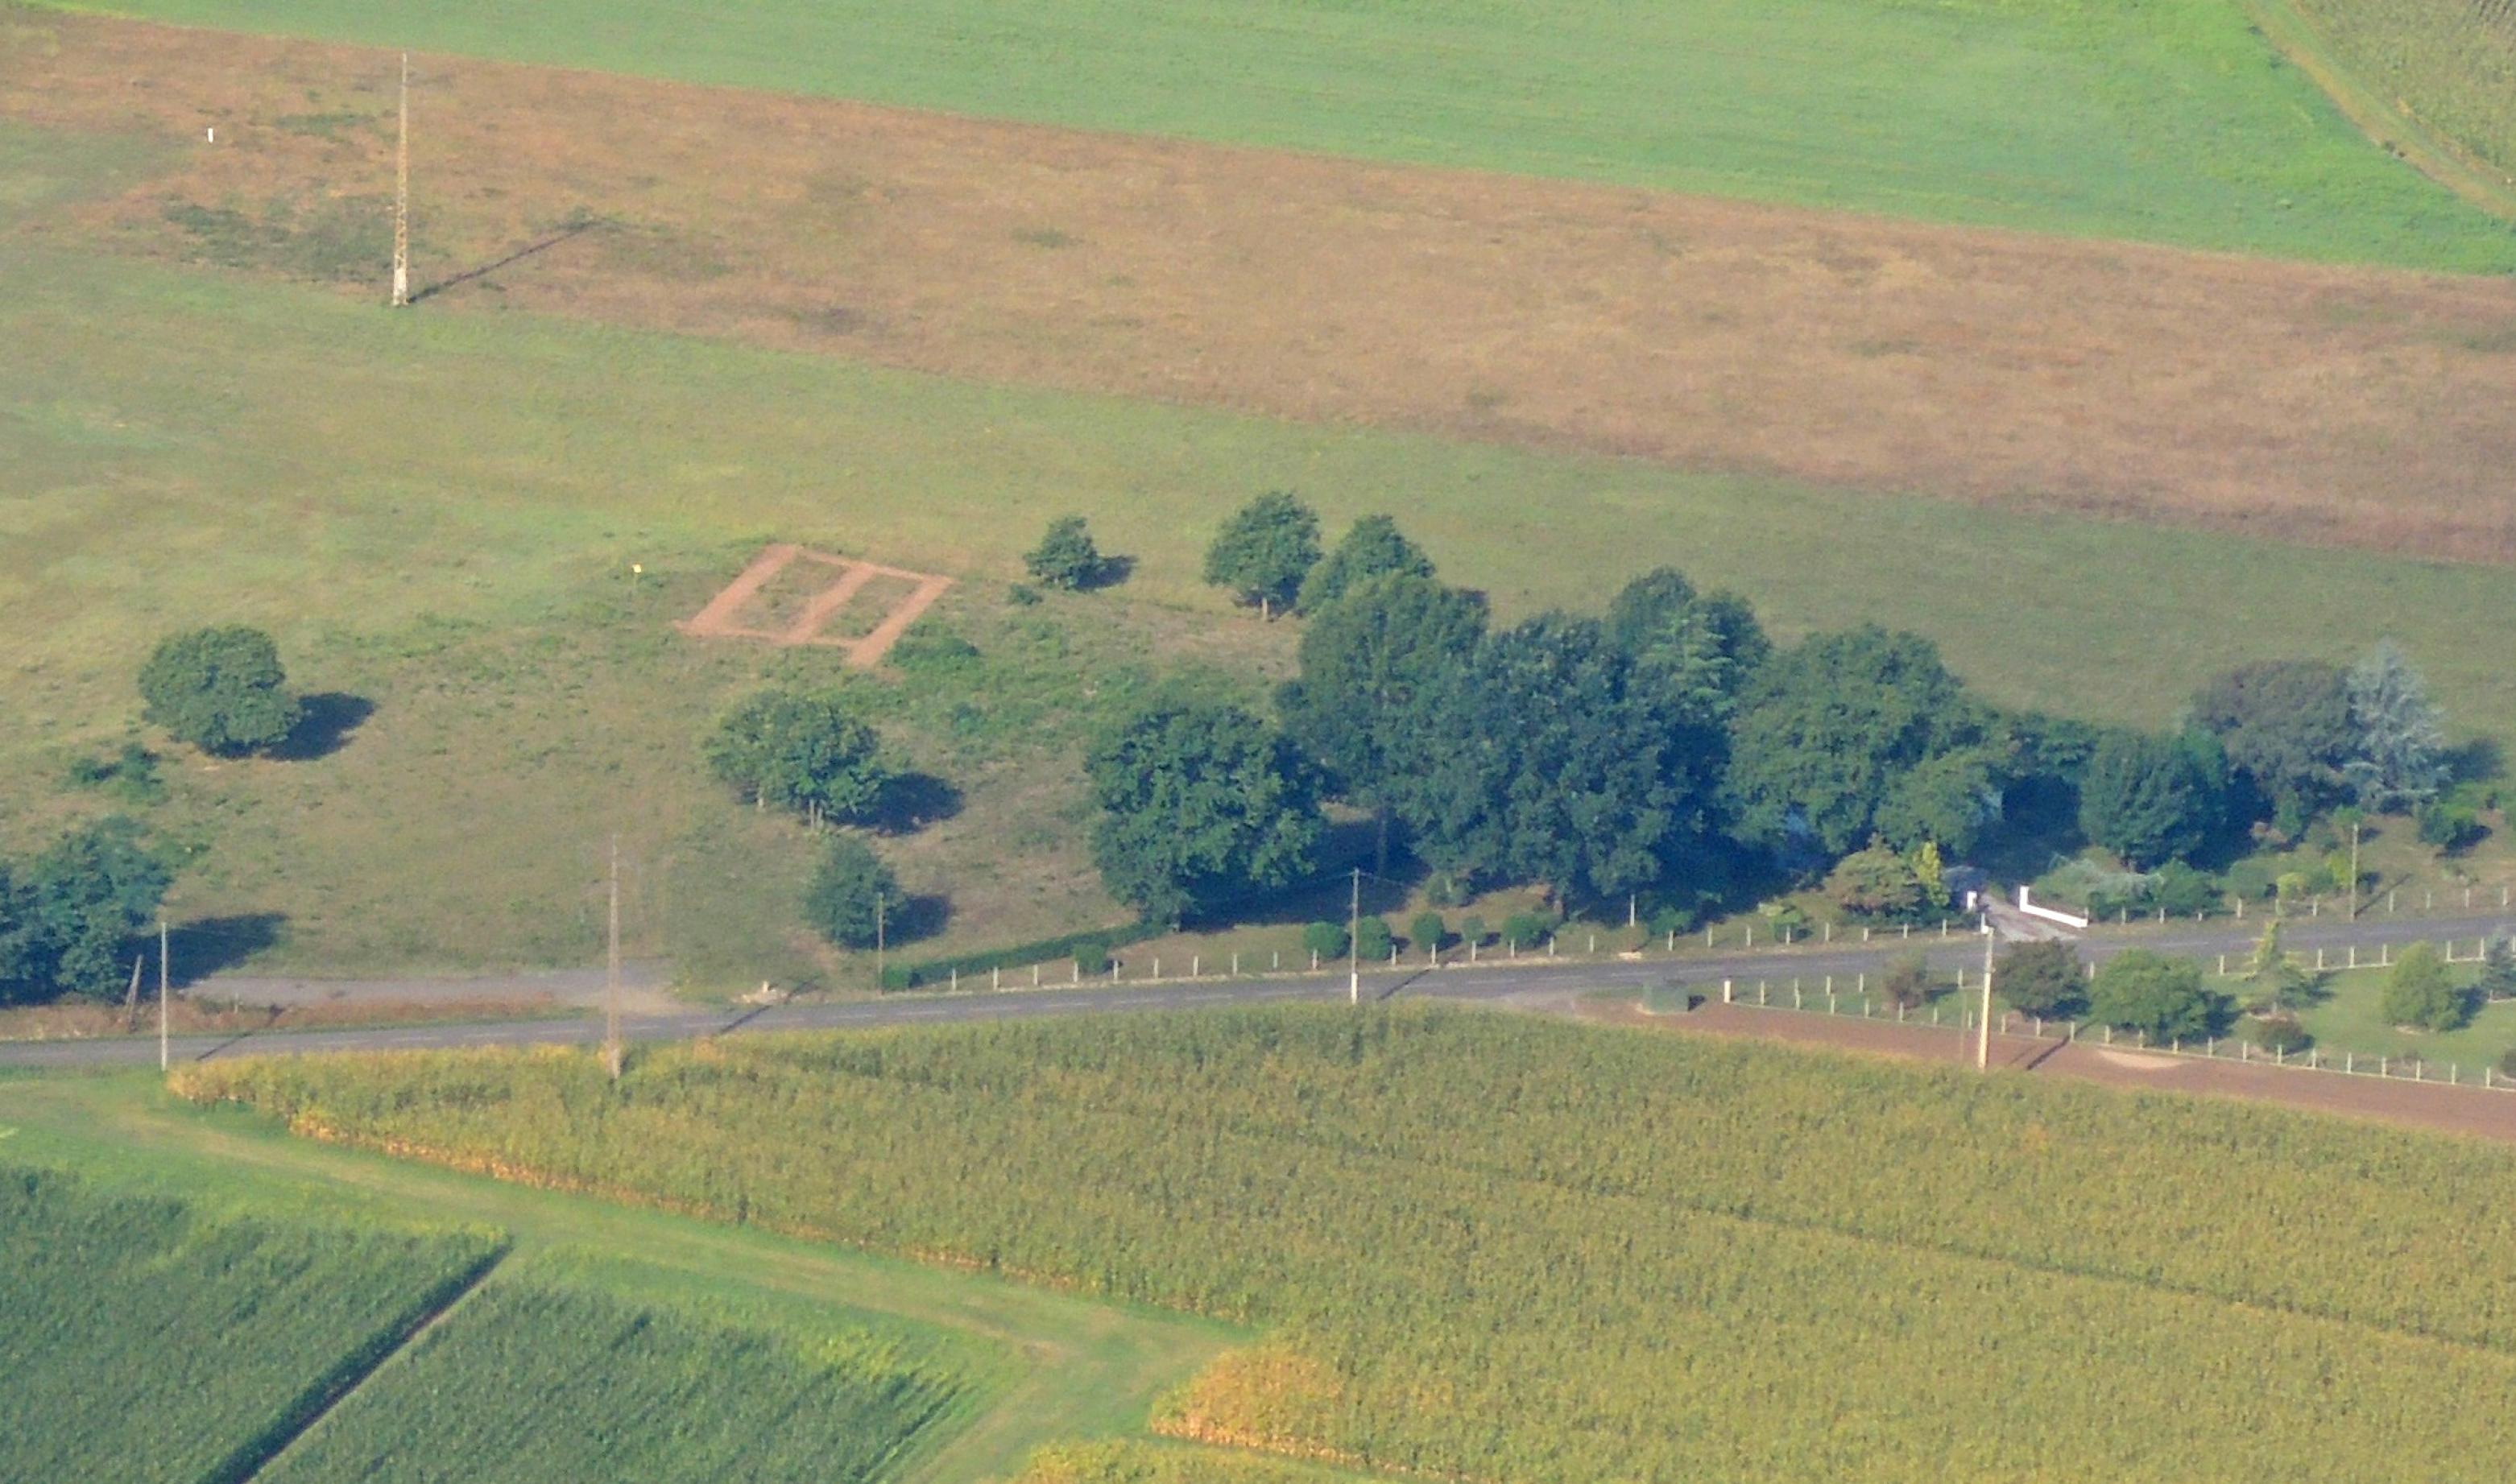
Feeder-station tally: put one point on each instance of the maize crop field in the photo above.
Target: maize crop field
(2449, 64)
(148, 1339)
(1490, 1248)
(556, 1382)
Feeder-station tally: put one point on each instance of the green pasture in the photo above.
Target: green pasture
(2344, 1011)
(1032, 1367)
(2169, 121)
(439, 517)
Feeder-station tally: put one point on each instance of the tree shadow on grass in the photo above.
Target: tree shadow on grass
(918, 919)
(323, 726)
(209, 945)
(1109, 573)
(911, 801)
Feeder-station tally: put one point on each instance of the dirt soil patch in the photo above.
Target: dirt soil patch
(791, 597)
(2333, 405)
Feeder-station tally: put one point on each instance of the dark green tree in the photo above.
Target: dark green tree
(801, 750)
(221, 690)
(1265, 550)
(1065, 557)
(1373, 548)
(1826, 729)
(1371, 665)
(2420, 992)
(2041, 978)
(2162, 998)
(2285, 725)
(1950, 801)
(67, 918)
(1325, 939)
(1426, 932)
(1202, 803)
(1549, 762)
(2151, 798)
(1698, 648)
(1372, 939)
(2498, 970)
(852, 898)
(1875, 883)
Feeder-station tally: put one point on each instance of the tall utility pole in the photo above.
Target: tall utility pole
(1354, 942)
(162, 1061)
(402, 194)
(612, 972)
(1983, 1028)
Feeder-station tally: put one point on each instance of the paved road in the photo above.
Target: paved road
(1483, 982)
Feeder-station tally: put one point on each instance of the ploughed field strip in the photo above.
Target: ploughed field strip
(2334, 405)
(836, 610)
(1491, 1247)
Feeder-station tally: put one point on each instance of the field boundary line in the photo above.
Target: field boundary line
(346, 1377)
(2297, 41)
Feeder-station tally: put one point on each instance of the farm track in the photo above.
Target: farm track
(2340, 406)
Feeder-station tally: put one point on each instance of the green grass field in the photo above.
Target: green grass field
(1496, 1247)
(2344, 1013)
(438, 516)
(2169, 121)
(1025, 1367)
(147, 1338)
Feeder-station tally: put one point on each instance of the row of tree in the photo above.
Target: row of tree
(1671, 748)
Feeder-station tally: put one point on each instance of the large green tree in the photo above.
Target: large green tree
(1698, 648)
(801, 750)
(2285, 725)
(1373, 548)
(1201, 802)
(2160, 997)
(2041, 978)
(2399, 760)
(2420, 993)
(1825, 730)
(67, 915)
(1067, 555)
(2152, 799)
(1372, 664)
(1265, 550)
(221, 689)
(1553, 760)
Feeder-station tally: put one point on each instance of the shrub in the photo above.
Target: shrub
(1908, 982)
(2449, 825)
(1022, 595)
(2498, 970)
(930, 648)
(1324, 938)
(2420, 995)
(1524, 929)
(2251, 879)
(1371, 938)
(2041, 980)
(1065, 557)
(851, 895)
(1875, 883)
(2162, 998)
(1472, 930)
(2279, 1034)
(1427, 931)
(220, 689)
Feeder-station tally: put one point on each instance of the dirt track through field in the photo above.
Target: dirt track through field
(2333, 405)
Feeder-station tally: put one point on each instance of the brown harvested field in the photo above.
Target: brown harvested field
(2333, 405)
(2413, 1104)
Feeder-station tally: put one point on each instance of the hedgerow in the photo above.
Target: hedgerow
(1498, 1247)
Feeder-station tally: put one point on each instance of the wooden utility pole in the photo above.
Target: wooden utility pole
(1983, 1028)
(612, 972)
(1354, 942)
(162, 1060)
(402, 194)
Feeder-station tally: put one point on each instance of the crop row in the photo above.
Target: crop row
(555, 1384)
(145, 1339)
(1503, 1249)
